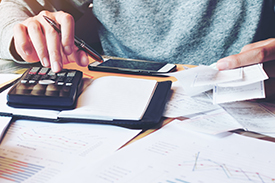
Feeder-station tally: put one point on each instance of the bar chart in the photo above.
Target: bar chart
(17, 171)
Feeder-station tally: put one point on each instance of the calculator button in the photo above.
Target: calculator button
(53, 77)
(23, 89)
(65, 91)
(46, 82)
(38, 89)
(71, 74)
(52, 90)
(34, 70)
(44, 77)
(51, 73)
(69, 80)
(61, 74)
(23, 81)
(34, 79)
(43, 71)
(60, 80)
(26, 78)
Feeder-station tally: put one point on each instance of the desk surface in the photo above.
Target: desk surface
(92, 74)
(96, 74)
(11, 67)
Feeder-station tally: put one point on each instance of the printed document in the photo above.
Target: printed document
(175, 154)
(45, 150)
(228, 86)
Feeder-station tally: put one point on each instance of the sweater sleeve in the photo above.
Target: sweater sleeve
(15, 11)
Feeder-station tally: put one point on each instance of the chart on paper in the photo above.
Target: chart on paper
(38, 151)
(19, 171)
(45, 137)
(172, 155)
(198, 169)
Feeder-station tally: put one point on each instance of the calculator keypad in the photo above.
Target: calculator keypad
(39, 85)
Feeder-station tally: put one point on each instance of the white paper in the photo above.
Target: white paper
(113, 97)
(251, 74)
(252, 115)
(43, 151)
(229, 86)
(239, 93)
(187, 77)
(214, 122)
(8, 77)
(173, 154)
(212, 76)
(4, 122)
(181, 104)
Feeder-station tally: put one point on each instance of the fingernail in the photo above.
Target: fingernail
(84, 60)
(222, 65)
(45, 62)
(55, 67)
(68, 50)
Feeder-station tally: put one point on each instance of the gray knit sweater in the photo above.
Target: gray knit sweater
(176, 31)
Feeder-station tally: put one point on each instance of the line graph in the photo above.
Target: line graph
(51, 137)
(201, 164)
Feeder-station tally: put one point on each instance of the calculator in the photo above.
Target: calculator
(40, 87)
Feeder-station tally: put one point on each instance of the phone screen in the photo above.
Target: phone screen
(128, 64)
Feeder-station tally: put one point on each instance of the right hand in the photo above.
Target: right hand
(36, 40)
(254, 53)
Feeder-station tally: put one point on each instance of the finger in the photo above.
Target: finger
(23, 45)
(53, 45)
(257, 44)
(65, 59)
(79, 56)
(253, 56)
(38, 40)
(84, 60)
(67, 28)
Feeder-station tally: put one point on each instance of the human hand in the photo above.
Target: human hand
(36, 40)
(258, 52)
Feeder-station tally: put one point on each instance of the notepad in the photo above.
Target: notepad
(112, 97)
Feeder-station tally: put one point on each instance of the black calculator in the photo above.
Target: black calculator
(40, 87)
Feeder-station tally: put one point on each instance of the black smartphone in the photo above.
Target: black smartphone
(133, 66)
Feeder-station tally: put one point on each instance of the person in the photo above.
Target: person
(184, 32)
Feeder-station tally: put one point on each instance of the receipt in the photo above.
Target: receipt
(238, 93)
(212, 76)
(228, 86)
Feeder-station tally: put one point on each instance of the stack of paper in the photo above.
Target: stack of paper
(209, 117)
(228, 86)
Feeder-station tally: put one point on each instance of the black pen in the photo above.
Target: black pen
(78, 42)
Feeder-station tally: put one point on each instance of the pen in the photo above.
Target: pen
(78, 42)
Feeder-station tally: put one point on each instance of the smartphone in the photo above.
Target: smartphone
(133, 66)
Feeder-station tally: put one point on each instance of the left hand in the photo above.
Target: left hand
(258, 52)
